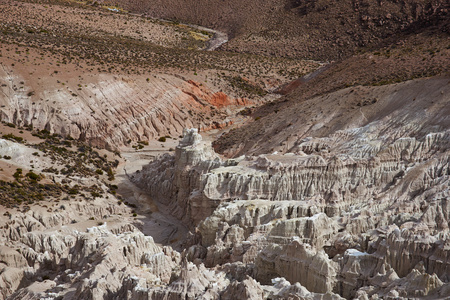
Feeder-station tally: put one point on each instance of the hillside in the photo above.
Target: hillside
(420, 55)
(320, 29)
(126, 80)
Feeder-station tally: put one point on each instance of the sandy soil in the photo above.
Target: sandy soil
(153, 218)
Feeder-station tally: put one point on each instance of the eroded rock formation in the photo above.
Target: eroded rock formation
(345, 216)
(112, 110)
(351, 213)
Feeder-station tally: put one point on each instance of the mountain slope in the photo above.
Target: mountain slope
(318, 29)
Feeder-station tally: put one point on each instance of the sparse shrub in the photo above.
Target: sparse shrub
(72, 191)
(245, 112)
(18, 174)
(33, 176)
(110, 174)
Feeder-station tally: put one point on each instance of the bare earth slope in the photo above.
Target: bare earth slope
(127, 79)
(318, 29)
(423, 54)
(111, 110)
(422, 103)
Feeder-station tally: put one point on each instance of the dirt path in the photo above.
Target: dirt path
(154, 219)
(218, 40)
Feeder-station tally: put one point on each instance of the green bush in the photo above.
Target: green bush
(17, 174)
(110, 174)
(32, 176)
(72, 191)
(11, 136)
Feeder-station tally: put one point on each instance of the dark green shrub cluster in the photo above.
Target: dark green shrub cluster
(26, 190)
(12, 137)
(83, 161)
(33, 176)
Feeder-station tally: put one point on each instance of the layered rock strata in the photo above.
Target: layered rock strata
(111, 110)
(361, 213)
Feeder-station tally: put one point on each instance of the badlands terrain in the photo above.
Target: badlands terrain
(224, 149)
